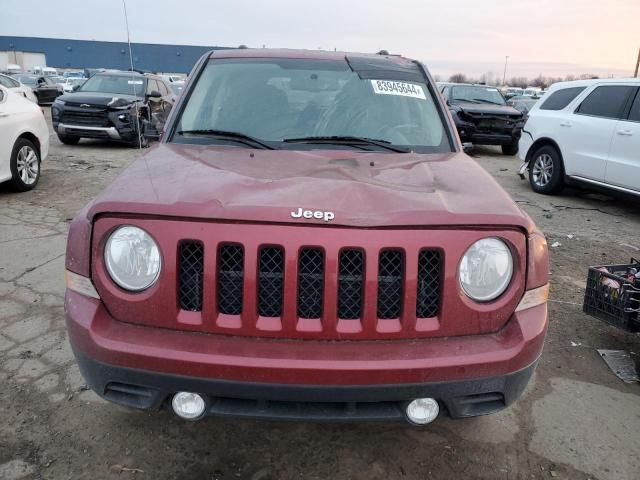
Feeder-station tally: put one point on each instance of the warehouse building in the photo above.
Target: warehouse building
(30, 52)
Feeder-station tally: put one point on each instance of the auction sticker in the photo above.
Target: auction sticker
(134, 82)
(390, 87)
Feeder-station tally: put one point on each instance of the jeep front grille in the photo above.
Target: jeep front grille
(269, 282)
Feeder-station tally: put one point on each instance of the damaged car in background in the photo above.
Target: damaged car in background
(127, 107)
(483, 117)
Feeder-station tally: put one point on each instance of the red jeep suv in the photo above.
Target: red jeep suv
(307, 241)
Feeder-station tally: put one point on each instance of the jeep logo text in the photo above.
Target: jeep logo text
(317, 214)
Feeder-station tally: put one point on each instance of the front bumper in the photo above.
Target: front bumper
(146, 390)
(258, 377)
(470, 132)
(118, 125)
(87, 131)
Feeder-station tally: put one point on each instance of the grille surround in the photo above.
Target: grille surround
(158, 307)
(89, 117)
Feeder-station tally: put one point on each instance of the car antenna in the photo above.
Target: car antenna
(133, 85)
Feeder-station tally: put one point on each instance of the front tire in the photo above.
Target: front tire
(68, 139)
(25, 165)
(546, 172)
(510, 149)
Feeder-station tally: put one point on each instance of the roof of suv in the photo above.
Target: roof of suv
(594, 81)
(306, 54)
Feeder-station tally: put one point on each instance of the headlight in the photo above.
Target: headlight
(132, 258)
(486, 269)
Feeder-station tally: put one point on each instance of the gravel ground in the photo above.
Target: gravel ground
(576, 420)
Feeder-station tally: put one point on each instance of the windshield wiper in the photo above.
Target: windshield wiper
(226, 135)
(483, 100)
(349, 140)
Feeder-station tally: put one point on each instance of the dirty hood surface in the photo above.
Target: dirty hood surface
(362, 189)
(96, 99)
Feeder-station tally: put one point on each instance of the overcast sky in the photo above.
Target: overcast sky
(552, 37)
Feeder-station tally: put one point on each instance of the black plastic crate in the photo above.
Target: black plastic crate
(612, 297)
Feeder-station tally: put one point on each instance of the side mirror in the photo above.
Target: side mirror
(154, 94)
(467, 147)
(76, 88)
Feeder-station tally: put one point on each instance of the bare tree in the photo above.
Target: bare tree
(540, 82)
(520, 82)
(458, 78)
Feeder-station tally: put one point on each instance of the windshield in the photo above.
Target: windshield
(278, 99)
(121, 84)
(477, 94)
(27, 79)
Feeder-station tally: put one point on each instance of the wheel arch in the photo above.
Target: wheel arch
(33, 139)
(542, 142)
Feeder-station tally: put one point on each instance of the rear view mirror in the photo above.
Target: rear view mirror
(154, 94)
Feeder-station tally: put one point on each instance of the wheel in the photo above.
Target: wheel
(69, 139)
(510, 149)
(25, 165)
(546, 171)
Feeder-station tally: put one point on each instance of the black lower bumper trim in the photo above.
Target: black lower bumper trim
(145, 389)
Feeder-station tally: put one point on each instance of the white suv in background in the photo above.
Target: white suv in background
(587, 131)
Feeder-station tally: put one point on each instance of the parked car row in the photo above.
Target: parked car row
(44, 88)
(16, 86)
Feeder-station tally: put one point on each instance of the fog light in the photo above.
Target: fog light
(422, 411)
(187, 405)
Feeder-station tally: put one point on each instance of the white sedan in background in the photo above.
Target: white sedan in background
(24, 140)
(585, 132)
(15, 86)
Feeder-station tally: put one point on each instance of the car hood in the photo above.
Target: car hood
(486, 109)
(362, 189)
(96, 98)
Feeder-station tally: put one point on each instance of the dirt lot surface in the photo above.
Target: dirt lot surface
(576, 420)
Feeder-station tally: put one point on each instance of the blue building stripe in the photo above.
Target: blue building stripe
(152, 57)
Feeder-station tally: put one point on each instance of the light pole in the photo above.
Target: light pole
(504, 75)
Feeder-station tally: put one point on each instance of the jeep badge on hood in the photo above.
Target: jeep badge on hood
(318, 214)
